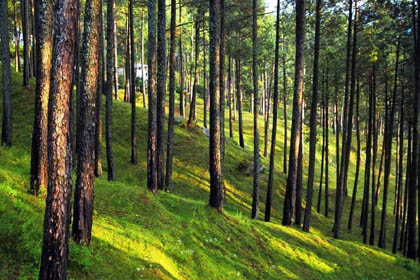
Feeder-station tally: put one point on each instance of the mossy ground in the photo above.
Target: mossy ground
(137, 235)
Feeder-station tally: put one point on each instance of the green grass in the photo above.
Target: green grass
(137, 235)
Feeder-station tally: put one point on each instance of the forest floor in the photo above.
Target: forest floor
(137, 235)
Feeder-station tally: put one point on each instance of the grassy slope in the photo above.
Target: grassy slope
(177, 236)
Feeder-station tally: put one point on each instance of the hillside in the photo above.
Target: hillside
(176, 235)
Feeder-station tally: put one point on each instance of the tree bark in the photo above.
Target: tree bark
(57, 212)
(152, 182)
(275, 112)
(216, 186)
(100, 90)
(39, 155)
(181, 66)
(116, 86)
(239, 101)
(84, 192)
(143, 84)
(290, 196)
(197, 54)
(133, 88)
(255, 193)
(110, 56)
(172, 60)
(16, 37)
(314, 110)
(25, 30)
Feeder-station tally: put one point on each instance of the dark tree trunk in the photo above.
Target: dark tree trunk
(116, 86)
(299, 181)
(84, 192)
(342, 185)
(255, 194)
(133, 87)
(152, 182)
(318, 208)
(375, 151)
(25, 30)
(110, 56)
(326, 96)
(239, 101)
(181, 66)
(388, 146)
(143, 84)
(161, 93)
(16, 37)
(100, 90)
(197, 53)
(6, 133)
(356, 179)
(404, 225)
(337, 131)
(274, 129)
(312, 140)
(381, 163)
(290, 197)
(39, 155)
(222, 88)
(58, 203)
(398, 215)
(172, 58)
(205, 81)
(127, 62)
(230, 95)
(284, 106)
(216, 185)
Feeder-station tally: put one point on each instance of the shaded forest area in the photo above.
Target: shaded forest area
(256, 128)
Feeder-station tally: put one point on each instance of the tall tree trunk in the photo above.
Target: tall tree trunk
(275, 111)
(197, 53)
(116, 86)
(342, 185)
(337, 130)
(290, 196)
(181, 66)
(255, 195)
(326, 96)
(133, 98)
(25, 29)
(216, 185)
(161, 92)
(356, 179)
(110, 56)
(84, 192)
(314, 109)
(239, 100)
(143, 84)
(398, 215)
(299, 181)
(375, 150)
(284, 105)
(222, 88)
(388, 142)
(6, 133)
(16, 37)
(230, 95)
(381, 163)
(152, 182)
(205, 81)
(172, 60)
(318, 208)
(57, 212)
(127, 62)
(100, 90)
(39, 155)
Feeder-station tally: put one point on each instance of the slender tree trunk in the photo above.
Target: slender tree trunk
(381, 163)
(57, 212)
(239, 101)
(161, 93)
(84, 192)
(356, 179)
(39, 155)
(255, 194)
(152, 182)
(116, 86)
(100, 90)
(25, 28)
(197, 53)
(133, 98)
(398, 215)
(127, 62)
(342, 185)
(6, 133)
(326, 96)
(375, 150)
(284, 106)
(16, 37)
(143, 84)
(110, 56)
(205, 81)
(230, 95)
(181, 66)
(275, 112)
(318, 208)
(299, 181)
(222, 88)
(172, 60)
(216, 185)
(337, 131)
(290, 197)
(314, 109)
(388, 147)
